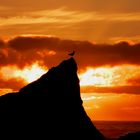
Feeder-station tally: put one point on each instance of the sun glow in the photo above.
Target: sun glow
(100, 77)
(31, 73)
(28, 74)
(109, 76)
(96, 77)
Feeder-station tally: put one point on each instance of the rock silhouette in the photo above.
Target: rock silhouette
(48, 105)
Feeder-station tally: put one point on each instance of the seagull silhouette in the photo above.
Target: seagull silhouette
(72, 54)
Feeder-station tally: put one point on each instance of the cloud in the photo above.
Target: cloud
(71, 23)
(26, 43)
(134, 81)
(7, 82)
(49, 51)
(13, 83)
(65, 16)
(97, 20)
(25, 50)
(3, 91)
(9, 56)
(115, 89)
(97, 5)
(56, 16)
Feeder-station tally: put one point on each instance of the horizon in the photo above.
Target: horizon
(105, 36)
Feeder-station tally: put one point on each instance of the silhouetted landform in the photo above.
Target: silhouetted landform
(131, 136)
(48, 105)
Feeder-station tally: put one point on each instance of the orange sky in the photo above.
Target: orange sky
(94, 20)
(105, 35)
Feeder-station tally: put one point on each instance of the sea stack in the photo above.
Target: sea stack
(50, 105)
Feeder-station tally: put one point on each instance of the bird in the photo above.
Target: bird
(72, 54)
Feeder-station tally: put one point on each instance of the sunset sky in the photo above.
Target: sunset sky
(38, 34)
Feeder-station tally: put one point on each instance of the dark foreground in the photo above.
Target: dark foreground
(49, 108)
(45, 106)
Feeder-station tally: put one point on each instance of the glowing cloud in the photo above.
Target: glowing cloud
(96, 77)
(110, 76)
(31, 73)
(28, 74)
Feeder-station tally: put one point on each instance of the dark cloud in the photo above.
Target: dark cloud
(9, 56)
(119, 89)
(23, 51)
(2, 44)
(35, 43)
(50, 51)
